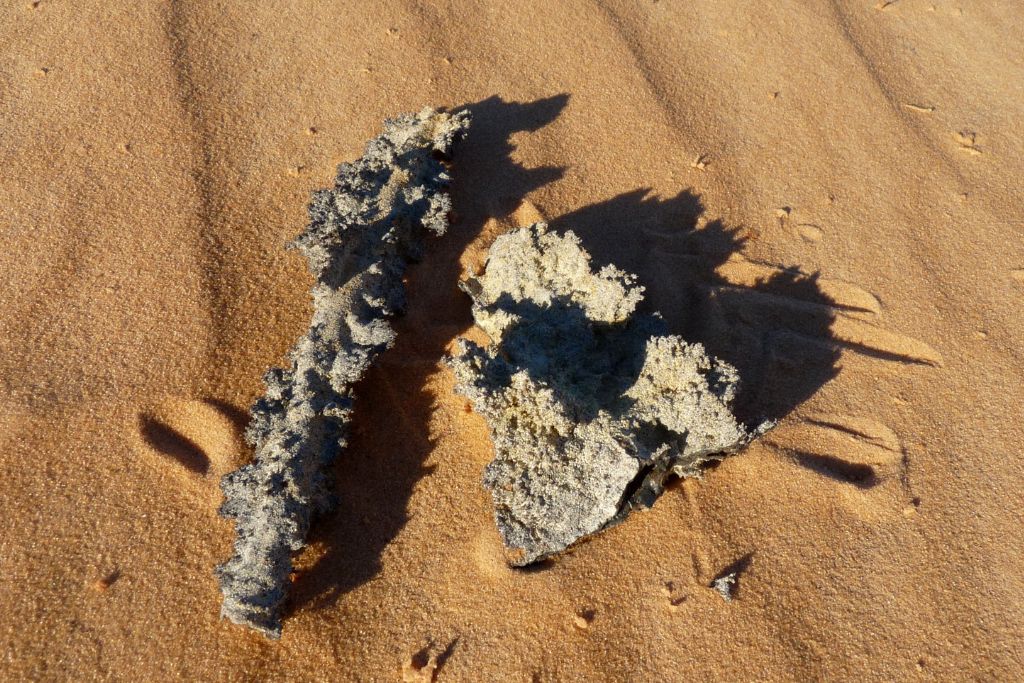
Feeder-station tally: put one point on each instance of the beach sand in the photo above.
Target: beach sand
(826, 194)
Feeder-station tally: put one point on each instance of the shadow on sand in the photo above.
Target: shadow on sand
(776, 331)
(375, 476)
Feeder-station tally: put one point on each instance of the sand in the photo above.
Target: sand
(157, 156)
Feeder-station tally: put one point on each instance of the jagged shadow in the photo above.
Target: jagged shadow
(776, 332)
(375, 476)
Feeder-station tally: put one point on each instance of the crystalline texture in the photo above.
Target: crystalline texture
(590, 405)
(360, 236)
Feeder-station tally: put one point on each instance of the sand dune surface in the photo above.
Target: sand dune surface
(825, 194)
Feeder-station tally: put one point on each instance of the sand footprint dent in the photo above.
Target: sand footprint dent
(196, 438)
(864, 457)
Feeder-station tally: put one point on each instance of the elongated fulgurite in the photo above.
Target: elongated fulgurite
(361, 234)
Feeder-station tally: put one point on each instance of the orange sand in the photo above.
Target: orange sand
(157, 155)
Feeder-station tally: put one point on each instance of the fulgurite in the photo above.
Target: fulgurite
(590, 404)
(359, 239)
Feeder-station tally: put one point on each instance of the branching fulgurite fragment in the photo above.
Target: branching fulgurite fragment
(360, 236)
(591, 405)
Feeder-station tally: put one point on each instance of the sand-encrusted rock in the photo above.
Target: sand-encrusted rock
(591, 405)
(360, 236)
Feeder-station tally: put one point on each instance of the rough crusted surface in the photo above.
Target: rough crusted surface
(360, 236)
(590, 404)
